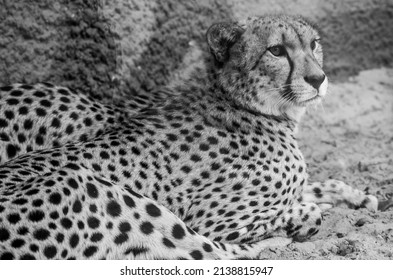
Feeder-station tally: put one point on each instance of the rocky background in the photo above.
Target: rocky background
(112, 49)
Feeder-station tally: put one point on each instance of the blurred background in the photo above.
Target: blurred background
(112, 49)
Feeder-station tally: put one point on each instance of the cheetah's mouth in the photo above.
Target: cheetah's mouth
(313, 99)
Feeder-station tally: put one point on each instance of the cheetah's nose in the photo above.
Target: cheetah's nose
(315, 80)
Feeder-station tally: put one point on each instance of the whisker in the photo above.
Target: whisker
(280, 87)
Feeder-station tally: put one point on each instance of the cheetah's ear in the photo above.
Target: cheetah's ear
(221, 37)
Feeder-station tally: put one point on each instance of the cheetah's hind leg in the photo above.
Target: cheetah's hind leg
(333, 193)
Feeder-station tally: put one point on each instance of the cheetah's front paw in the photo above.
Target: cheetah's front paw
(335, 193)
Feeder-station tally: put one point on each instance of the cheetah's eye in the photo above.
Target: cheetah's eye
(277, 50)
(314, 44)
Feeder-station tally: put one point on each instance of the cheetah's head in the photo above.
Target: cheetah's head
(271, 65)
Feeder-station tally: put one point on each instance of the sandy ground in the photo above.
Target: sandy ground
(350, 138)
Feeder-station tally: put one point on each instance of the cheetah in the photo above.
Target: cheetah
(211, 170)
